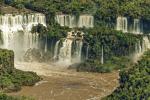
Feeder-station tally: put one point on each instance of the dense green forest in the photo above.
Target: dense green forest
(134, 82)
(117, 46)
(106, 9)
(115, 43)
(105, 12)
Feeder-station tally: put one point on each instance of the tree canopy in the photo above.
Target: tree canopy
(134, 82)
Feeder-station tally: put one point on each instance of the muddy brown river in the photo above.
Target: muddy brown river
(59, 83)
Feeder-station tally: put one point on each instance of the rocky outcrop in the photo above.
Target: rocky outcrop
(33, 55)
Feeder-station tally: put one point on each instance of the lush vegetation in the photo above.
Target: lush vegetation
(105, 11)
(56, 31)
(133, 8)
(6, 97)
(116, 48)
(115, 63)
(116, 45)
(12, 79)
(134, 82)
(113, 42)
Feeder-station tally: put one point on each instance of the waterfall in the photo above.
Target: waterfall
(66, 20)
(60, 19)
(87, 52)
(136, 27)
(86, 21)
(14, 23)
(140, 49)
(122, 24)
(78, 51)
(146, 43)
(65, 52)
(138, 52)
(67, 55)
(56, 50)
(16, 32)
(45, 45)
(72, 21)
(102, 56)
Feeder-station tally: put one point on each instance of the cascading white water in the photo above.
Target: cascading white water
(86, 21)
(140, 49)
(16, 31)
(45, 49)
(122, 24)
(72, 21)
(66, 20)
(14, 23)
(56, 49)
(78, 51)
(136, 27)
(65, 56)
(65, 52)
(146, 43)
(87, 52)
(138, 52)
(61, 20)
(102, 56)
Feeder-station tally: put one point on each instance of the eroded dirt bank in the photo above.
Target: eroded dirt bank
(61, 84)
